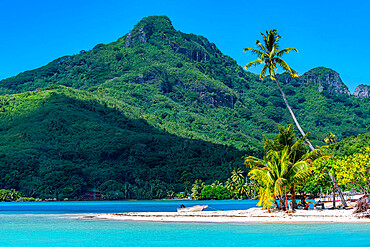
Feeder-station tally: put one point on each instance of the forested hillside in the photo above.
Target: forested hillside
(60, 142)
(151, 113)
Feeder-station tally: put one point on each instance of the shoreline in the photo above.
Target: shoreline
(249, 216)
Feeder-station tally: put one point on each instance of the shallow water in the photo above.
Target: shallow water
(67, 207)
(55, 224)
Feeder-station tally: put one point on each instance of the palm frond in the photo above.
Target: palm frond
(299, 172)
(286, 67)
(254, 51)
(261, 176)
(282, 158)
(253, 162)
(280, 183)
(283, 64)
(264, 37)
(270, 144)
(286, 50)
(263, 72)
(272, 53)
(276, 44)
(321, 159)
(294, 73)
(262, 46)
(271, 40)
(266, 198)
(253, 63)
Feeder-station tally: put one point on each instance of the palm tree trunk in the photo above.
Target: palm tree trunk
(276, 203)
(294, 201)
(309, 143)
(333, 195)
(293, 116)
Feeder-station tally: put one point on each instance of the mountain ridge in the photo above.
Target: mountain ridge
(216, 81)
(162, 28)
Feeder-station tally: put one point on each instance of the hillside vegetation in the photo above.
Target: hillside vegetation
(351, 145)
(149, 114)
(61, 142)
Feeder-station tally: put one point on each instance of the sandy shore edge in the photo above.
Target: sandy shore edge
(250, 216)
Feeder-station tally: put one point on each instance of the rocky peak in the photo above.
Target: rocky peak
(146, 27)
(194, 54)
(194, 47)
(133, 39)
(326, 80)
(362, 91)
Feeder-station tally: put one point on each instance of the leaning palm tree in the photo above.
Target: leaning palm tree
(269, 54)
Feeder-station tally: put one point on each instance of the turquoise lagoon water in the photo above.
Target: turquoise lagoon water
(55, 224)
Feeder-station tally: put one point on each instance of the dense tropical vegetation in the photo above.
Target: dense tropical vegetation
(9, 195)
(286, 164)
(147, 115)
(237, 186)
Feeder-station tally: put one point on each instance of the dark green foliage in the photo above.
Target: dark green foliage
(60, 143)
(153, 111)
(216, 191)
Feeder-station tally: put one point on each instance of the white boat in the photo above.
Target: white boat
(197, 208)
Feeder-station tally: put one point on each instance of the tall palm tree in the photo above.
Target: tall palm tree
(330, 139)
(269, 54)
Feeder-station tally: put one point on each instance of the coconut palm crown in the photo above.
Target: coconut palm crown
(269, 54)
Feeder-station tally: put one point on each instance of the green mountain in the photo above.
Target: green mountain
(150, 113)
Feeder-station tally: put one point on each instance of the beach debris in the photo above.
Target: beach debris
(362, 209)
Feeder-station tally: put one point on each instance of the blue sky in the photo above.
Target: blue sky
(334, 34)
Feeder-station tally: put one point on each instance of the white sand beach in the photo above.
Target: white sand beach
(253, 215)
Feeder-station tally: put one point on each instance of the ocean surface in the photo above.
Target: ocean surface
(56, 224)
